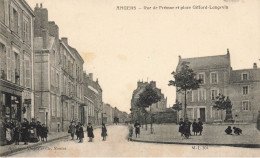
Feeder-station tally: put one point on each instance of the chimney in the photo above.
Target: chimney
(44, 38)
(53, 29)
(41, 5)
(37, 6)
(255, 66)
(65, 40)
(179, 57)
(153, 83)
(91, 76)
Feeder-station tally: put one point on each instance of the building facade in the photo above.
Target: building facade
(16, 62)
(218, 78)
(157, 107)
(93, 99)
(47, 70)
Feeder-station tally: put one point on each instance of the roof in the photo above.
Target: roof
(253, 75)
(207, 62)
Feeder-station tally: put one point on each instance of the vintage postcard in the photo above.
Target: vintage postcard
(129, 78)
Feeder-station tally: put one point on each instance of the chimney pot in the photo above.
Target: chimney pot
(37, 5)
(65, 40)
(255, 66)
(41, 5)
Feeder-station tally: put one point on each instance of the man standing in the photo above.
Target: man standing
(80, 133)
(90, 132)
(200, 126)
(72, 130)
(77, 130)
(25, 131)
(137, 129)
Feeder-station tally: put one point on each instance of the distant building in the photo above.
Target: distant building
(242, 87)
(157, 107)
(107, 114)
(16, 63)
(93, 99)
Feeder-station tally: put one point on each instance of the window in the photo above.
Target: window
(202, 77)
(14, 20)
(17, 68)
(9, 68)
(2, 10)
(201, 94)
(214, 94)
(26, 35)
(245, 90)
(27, 73)
(244, 76)
(213, 77)
(58, 107)
(245, 105)
(53, 111)
(192, 95)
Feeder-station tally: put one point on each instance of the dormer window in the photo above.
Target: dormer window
(244, 76)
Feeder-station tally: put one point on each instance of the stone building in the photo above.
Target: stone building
(157, 107)
(93, 99)
(47, 70)
(107, 114)
(16, 62)
(241, 86)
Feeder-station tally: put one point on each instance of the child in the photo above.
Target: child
(44, 132)
(237, 131)
(131, 131)
(80, 133)
(229, 130)
(195, 127)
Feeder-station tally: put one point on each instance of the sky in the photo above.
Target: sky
(122, 47)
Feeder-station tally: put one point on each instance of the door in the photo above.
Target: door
(202, 114)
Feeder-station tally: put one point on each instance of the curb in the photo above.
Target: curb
(180, 143)
(5, 154)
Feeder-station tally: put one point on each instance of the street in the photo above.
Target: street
(117, 145)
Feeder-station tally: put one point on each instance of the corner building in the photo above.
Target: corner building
(16, 63)
(241, 86)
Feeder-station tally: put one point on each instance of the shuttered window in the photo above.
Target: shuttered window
(27, 73)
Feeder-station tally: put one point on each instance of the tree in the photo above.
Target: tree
(185, 80)
(177, 107)
(148, 97)
(224, 103)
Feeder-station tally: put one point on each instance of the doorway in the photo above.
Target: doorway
(202, 114)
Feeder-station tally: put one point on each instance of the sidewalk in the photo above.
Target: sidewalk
(212, 135)
(8, 149)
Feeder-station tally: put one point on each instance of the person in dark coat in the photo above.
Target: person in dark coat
(187, 125)
(17, 133)
(32, 131)
(104, 131)
(25, 131)
(195, 127)
(72, 130)
(81, 133)
(38, 129)
(77, 130)
(90, 132)
(229, 130)
(181, 126)
(44, 132)
(137, 129)
(200, 126)
(237, 131)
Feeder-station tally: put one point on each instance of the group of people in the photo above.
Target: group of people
(185, 127)
(131, 130)
(237, 131)
(25, 131)
(79, 131)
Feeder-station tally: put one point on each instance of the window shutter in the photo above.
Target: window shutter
(11, 18)
(13, 66)
(249, 106)
(21, 71)
(27, 73)
(8, 64)
(19, 24)
(6, 12)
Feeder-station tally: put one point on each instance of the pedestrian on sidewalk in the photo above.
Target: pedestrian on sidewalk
(195, 127)
(237, 131)
(90, 132)
(44, 132)
(17, 133)
(80, 133)
(72, 130)
(181, 126)
(137, 129)
(187, 125)
(200, 126)
(131, 131)
(104, 132)
(38, 129)
(77, 130)
(25, 131)
(228, 130)
(32, 130)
